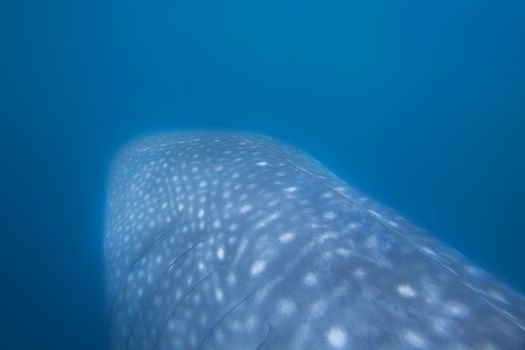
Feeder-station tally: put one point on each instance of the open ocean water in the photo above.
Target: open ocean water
(419, 104)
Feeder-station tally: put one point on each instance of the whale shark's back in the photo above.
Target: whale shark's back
(234, 241)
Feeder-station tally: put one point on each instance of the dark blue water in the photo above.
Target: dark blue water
(420, 104)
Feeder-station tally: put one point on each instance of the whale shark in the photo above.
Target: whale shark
(232, 240)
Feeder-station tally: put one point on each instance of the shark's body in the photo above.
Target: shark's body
(234, 241)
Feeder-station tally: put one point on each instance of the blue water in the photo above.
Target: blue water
(420, 104)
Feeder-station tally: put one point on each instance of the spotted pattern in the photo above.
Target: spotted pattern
(234, 241)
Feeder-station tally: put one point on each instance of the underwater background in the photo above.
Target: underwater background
(418, 104)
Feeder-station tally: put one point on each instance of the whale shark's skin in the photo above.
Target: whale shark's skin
(234, 241)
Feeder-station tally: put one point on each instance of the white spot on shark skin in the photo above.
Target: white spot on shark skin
(245, 208)
(242, 248)
(415, 339)
(359, 273)
(267, 220)
(234, 325)
(375, 214)
(318, 308)
(336, 337)
(428, 251)
(329, 215)
(231, 279)
(326, 236)
(220, 253)
(219, 295)
(406, 291)
(310, 279)
(262, 163)
(189, 280)
(251, 322)
(393, 224)
(371, 242)
(286, 237)
(440, 326)
(473, 271)
(203, 319)
(498, 296)
(286, 307)
(258, 267)
(343, 252)
(291, 189)
(456, 309)
(328, 195)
